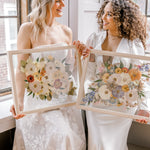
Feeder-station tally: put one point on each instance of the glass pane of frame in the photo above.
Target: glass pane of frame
(8, 36)
(148, 8)
(116, 84)
(47, 79)
(8, 8)
(4, 73)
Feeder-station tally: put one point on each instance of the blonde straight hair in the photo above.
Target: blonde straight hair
(38, 15)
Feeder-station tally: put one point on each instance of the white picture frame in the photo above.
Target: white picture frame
(81, 105)
(56, 48)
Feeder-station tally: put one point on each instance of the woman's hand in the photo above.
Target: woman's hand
(142, 113)
(12, 110)
(83, 50)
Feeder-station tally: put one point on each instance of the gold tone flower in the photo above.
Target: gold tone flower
(125, 88)
(105, 77)
(118, 70)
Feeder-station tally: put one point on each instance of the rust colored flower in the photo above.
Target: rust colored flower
(135, 74)
(125, 88)
(118, 70)
(30, 78)
(125, 70)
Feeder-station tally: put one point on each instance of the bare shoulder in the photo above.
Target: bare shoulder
(26, 28)
(68, 33)
(66, 29)
(24, 36)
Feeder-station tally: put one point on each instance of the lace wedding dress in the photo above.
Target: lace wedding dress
(52, 130)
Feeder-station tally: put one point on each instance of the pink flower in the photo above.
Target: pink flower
(57, 84)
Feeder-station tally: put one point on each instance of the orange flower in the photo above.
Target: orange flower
(118, 70)
(125, 70)
(125, 88)
(30, 78)
(43, 72)
(119, 104)
(135, 74)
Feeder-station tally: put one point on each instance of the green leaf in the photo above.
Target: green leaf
(30, 93)
(115, 67)
(33, 95)
(106, 64)
(130, 67)
(63, 60)
(67, 64)
(93, 89)
(144, 75)
(37, 59)
(98, 80)
(26, 80)
(121, 64)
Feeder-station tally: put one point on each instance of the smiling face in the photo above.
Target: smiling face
(108, 19)
(57, 8)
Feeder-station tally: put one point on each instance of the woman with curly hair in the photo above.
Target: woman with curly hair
(60, 129)
(122, 29)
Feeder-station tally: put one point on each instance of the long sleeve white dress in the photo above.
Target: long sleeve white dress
(52, 130)
(108, 132)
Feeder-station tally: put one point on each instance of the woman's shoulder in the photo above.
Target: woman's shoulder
(26, 28)
(65, 28)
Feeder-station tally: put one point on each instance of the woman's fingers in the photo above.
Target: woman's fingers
(12, 110)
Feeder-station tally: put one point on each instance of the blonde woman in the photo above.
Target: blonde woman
(52, 130)
(122, 29)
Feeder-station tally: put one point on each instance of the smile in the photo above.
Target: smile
(104, 24)
(59, 10)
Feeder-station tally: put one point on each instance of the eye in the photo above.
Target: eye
(109, 14)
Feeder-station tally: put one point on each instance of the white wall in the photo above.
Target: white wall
(82, 18)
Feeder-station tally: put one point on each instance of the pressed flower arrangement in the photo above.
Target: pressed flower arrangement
(47, 78)
(117, 85)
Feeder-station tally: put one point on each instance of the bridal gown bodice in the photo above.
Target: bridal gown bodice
(60, 129)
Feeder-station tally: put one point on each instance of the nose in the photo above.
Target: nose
(103, 16)
(62, 3)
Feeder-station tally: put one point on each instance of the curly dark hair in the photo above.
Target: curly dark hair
(129, 19)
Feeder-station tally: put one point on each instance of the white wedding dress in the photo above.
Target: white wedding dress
(108, 132)
(52, 130)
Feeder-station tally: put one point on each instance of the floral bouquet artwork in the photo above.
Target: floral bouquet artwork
(118, 85)
(47, 78)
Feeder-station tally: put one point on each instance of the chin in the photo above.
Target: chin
(105, 28)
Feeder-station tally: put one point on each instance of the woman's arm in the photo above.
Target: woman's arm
(23, 42)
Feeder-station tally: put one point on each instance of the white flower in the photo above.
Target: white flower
(125, 79)
(35, 86)
(104, 93)
(50, 68)
(40, 65)
(131, 96)
(57, 74)
(30, 69)
(59, 65)
(114, 78)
